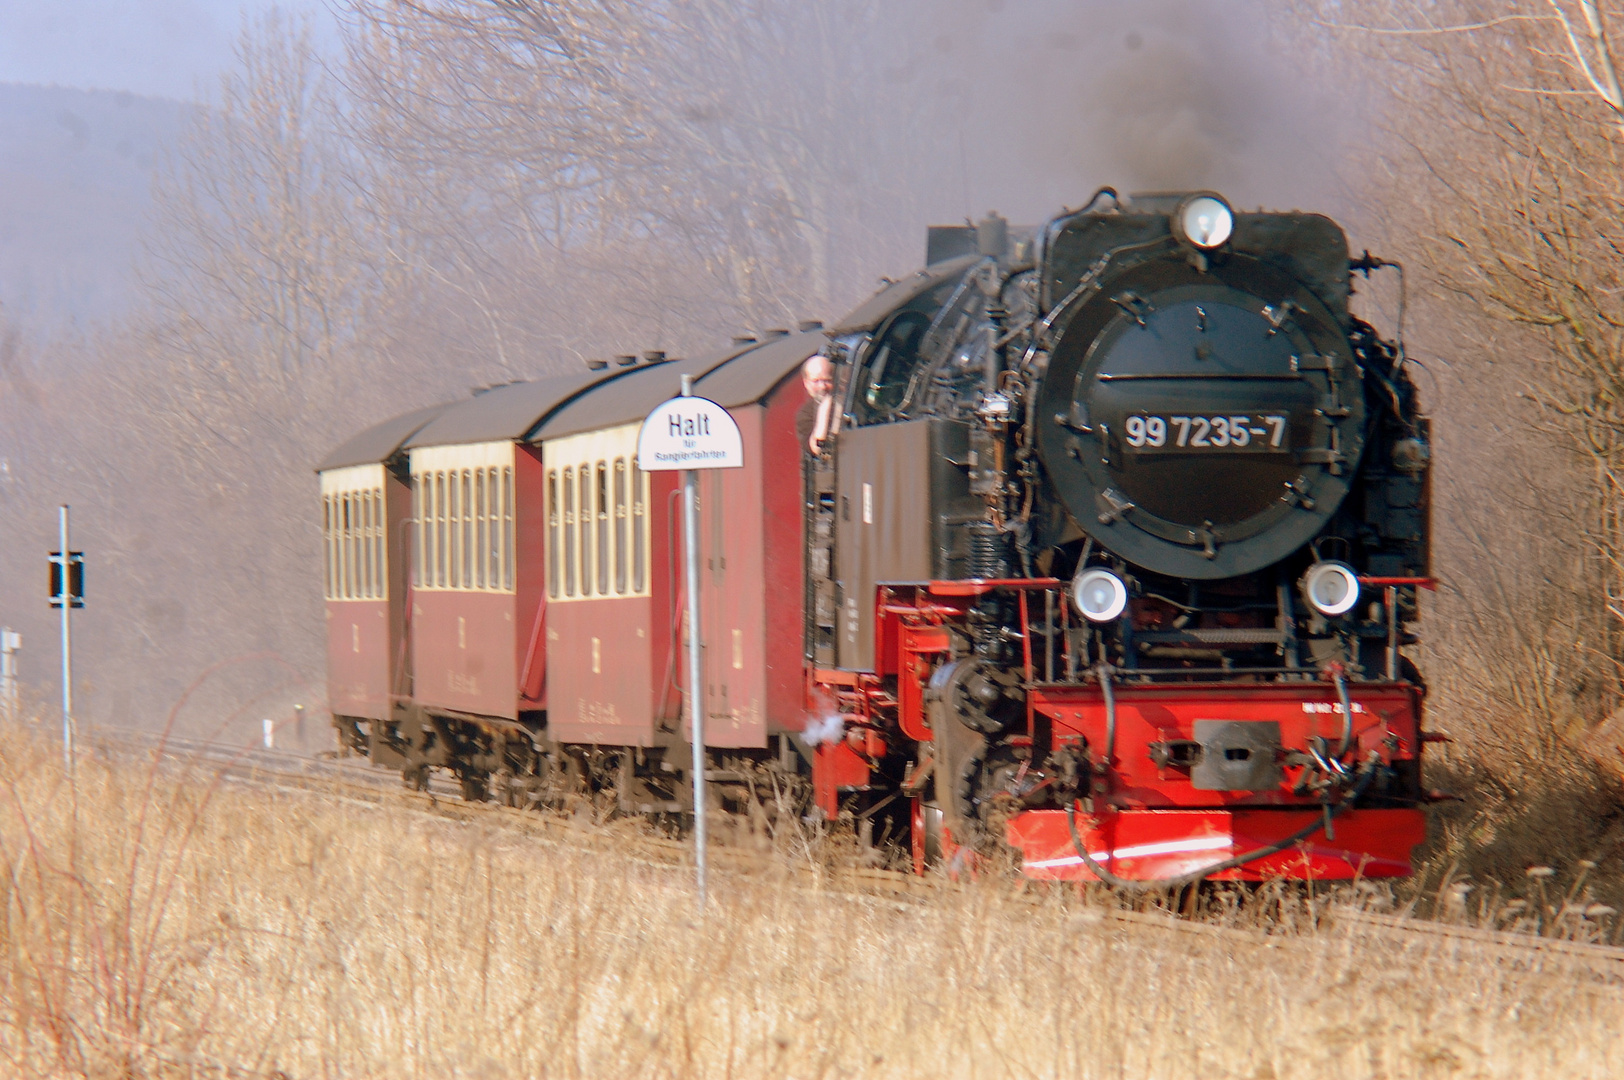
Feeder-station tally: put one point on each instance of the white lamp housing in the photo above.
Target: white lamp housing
(1100, 595)
(1331, 588)
(1205, 221)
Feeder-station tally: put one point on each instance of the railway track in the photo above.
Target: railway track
(355, 781)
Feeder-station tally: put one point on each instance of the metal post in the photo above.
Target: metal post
(10, 642)
(65, 595)
(696, 673)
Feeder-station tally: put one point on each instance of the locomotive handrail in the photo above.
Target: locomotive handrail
(1428, 583)
(982, 586)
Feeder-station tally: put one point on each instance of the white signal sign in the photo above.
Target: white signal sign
(689, 433)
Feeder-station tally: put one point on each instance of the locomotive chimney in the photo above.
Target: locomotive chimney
(992, 236)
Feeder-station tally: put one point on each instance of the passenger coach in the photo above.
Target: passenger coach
(533, 644)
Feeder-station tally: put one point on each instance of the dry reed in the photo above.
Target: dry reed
(181, 926)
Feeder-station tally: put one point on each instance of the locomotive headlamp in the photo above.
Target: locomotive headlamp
(1204, 220)
(1331, 588)
(1099, 594)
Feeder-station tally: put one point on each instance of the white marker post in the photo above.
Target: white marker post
(10, 642)
(692, 433)
(67, 593)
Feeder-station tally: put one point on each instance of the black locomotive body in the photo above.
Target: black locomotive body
(1165, 498)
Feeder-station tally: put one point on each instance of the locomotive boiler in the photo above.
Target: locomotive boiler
(1110, 560)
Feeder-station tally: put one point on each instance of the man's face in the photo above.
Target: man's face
(819, 379)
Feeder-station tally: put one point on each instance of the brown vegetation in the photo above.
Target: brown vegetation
(1492, 172)
(483, 190)
(170, 926)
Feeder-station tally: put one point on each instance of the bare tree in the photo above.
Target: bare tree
(1503, 143)
(747, 142)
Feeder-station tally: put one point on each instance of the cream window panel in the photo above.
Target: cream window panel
(467, 536)
(354, 533)
(597, 519)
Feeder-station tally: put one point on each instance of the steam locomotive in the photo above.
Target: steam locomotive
(1110, 561)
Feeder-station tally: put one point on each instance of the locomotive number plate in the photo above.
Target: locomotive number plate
(1254, 431)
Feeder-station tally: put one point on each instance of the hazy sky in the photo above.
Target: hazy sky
(165, 48)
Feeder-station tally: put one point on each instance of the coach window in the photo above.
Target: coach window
(372, 545)
(364, 585)
(335, 546)
(603, 528)
(327, 546)
(469, 544)
(584, 477)
(423, 509)
(344, 548)
(358, 529)
(489, 529)
(431, 546)
(552, 533)
(425, 526)
(453, 529)
(620, 525)
(377, 544)
(370, 517)
(440, 560)
(569, 532)
(507, 529)
(493, 542)
(639, 520)
(481, 531)
(414, 532)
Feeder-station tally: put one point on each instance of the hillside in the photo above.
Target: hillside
(74, 192)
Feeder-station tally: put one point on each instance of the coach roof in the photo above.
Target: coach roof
(380, 442)
(629, 398)
(504, 412)
(751, 376)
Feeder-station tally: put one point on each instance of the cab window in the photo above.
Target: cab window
(886, 384)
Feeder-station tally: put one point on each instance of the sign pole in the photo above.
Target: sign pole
(66, 598)
(687, 434)
(696, 664)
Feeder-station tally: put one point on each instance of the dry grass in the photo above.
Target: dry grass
(185, 928)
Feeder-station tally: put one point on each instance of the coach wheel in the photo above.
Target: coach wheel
(415, 777)
(476, 785)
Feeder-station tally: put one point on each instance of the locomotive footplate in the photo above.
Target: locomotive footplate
(1193, 777)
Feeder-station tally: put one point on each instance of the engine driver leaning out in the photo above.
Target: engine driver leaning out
(817, 419)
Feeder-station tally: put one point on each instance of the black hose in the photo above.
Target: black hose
(1329, 812)
(1341, 681)
(1110, 715)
